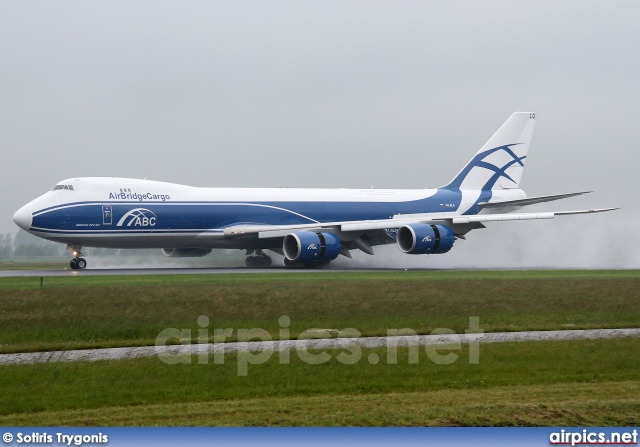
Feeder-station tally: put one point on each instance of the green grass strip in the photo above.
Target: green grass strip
(57, 388)
(110, 315)
(571, 404)
(85, 279)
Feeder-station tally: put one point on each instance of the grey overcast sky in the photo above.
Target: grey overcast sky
(394, 94)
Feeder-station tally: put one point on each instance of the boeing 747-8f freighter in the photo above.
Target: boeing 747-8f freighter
(309, 227)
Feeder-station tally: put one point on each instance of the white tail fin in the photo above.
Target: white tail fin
(500, 162)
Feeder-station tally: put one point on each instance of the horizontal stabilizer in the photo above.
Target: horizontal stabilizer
(523, 216)
(529, 201)
(567, 213)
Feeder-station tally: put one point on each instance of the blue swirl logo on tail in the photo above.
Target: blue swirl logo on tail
(479, 162)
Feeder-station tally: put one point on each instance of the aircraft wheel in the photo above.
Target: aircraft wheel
(258, 261)
(81, 263)
(316, 264)
(74, 264)
(306, 265)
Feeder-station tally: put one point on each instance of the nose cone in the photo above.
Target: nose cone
(22, 218)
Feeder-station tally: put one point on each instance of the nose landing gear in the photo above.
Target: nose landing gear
(77, 263)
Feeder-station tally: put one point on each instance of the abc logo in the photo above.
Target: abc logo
(139, 217)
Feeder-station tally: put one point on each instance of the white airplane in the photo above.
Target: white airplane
(309, 227)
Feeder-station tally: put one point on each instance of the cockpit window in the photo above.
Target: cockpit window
(67, 187)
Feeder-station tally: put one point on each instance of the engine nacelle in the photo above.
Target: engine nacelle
(186, 252)
(420, 239)
(307, 246)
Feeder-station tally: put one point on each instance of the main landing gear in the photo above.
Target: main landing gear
(77, 263)
(306, 265)
(260, 260)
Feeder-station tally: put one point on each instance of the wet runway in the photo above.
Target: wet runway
(138, 271)
(186, 271)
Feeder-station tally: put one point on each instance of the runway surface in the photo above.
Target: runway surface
(227, 270)
(92, 355)
(141, 271)
(187, 271)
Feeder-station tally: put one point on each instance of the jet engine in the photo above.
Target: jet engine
(186, 252)
(420, 239)
(308, 246)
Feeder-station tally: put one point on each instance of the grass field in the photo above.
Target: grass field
(535, 383)
(594, 382)
(97, 311)
(47, 264)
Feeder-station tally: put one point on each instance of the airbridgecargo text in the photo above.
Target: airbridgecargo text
(136, 196)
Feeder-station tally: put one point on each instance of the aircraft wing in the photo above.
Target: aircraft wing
(275, 231)
(461, 219)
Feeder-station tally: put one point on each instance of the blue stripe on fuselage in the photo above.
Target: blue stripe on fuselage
(85, 217)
